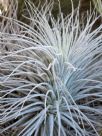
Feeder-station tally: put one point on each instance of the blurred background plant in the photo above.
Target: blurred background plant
(98, 5)
(65, 6)
(3, 5)
(9, 9)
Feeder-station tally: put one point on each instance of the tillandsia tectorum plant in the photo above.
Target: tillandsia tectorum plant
(51, 76)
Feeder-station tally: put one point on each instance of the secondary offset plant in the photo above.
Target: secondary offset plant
(51, 76)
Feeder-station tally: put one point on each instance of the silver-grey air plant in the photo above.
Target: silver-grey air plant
(51, 76)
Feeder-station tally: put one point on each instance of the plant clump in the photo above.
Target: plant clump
(51, 76)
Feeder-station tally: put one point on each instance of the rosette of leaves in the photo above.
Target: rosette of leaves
(51, 76)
